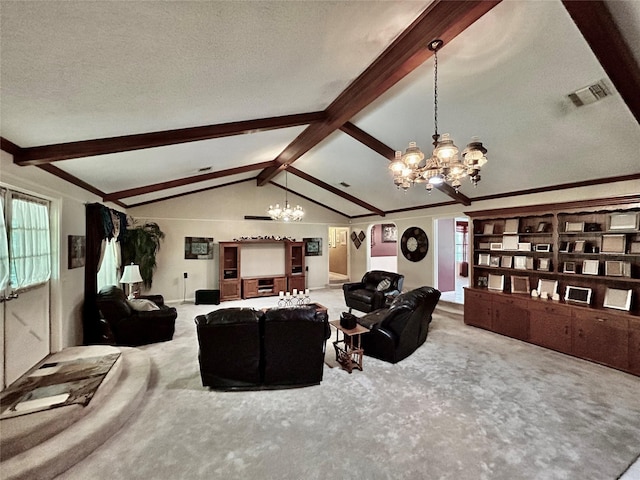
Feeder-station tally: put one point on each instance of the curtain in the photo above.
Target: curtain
(109, 265)
(30, 243)
(4, 248)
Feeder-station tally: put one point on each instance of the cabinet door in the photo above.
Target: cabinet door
(550, 325)
(230, 290)
(510, 317)
(477, 309)
(601, 337)
(634, 346)
(279, 284)
(249, 288)
(297, 282)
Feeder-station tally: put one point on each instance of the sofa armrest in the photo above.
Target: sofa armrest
(347, 287)
(157, 299)
(166, 313)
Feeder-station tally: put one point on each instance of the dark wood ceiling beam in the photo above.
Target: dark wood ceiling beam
(102, 146)
(133, 192)
(9, 147)
(334, 190)
(441, 19)
(598, 28)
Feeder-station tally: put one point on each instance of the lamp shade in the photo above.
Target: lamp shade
(131, 274)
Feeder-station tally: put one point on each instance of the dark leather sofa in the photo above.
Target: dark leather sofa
(367, 294)
(123, 325)
(247, 349)
(396, 332)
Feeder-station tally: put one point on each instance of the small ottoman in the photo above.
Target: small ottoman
(208, 297)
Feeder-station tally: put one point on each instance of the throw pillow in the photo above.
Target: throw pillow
(383, 285)
(142, 305)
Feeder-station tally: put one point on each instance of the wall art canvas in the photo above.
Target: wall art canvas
(198, 248)
(77, 250)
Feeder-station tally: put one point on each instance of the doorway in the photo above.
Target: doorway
(338, 255)
(452, 257)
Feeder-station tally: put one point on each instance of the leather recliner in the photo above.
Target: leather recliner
(246, 349)
(370, 293)
(396, 332)
(129, 327)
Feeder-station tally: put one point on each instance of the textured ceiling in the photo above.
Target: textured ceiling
(73, 71)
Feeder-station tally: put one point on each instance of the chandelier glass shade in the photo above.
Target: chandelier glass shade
(286, 214)
(445, 164)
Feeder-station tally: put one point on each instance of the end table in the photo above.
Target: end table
(348, 350)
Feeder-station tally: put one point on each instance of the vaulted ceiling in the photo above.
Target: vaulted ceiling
(141, 101)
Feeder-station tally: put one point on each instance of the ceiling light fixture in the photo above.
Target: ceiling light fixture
(444, 165)
(286, 214)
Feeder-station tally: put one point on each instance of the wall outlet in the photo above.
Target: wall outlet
(186, 275)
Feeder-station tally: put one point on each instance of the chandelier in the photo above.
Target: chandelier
(444, 165)
(286, 214)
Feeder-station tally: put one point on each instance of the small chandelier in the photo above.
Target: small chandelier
(445, 164)
(286, 214)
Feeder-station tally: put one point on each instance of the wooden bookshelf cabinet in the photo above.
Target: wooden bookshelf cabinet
(233, 286)
(593, 247)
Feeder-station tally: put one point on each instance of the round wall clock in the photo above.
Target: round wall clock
(414, 244)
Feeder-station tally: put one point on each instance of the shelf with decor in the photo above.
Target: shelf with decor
(564, 266)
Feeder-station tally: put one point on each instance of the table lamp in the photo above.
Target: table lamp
(131, 275)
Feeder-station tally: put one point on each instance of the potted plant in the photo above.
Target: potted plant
(140, 245)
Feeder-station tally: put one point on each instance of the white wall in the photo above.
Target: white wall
(219, 213)
(422, 273)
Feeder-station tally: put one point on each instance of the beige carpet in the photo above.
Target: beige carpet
(468, 404)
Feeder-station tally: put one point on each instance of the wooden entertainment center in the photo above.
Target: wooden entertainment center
(234, 286)
(584, 260)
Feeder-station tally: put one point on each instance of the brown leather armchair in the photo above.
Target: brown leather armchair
(376, 290)
(126, 326)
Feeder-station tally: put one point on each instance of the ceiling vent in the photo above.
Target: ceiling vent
(345, 184)
(590, 94)
(204, 169)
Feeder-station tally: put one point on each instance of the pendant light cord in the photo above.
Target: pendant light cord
(435, 95)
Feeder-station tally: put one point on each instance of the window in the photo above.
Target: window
(25, 241)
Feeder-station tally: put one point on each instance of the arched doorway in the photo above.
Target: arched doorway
(383, 247)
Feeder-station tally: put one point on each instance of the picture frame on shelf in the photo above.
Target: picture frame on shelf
(496, 282)
(543, 247)
(565, 247)
(617, 268)
(520, 284)
(573, 227)
(580, 295)
(613, 243)
(578, 246)
(484, 246)
(569, 267)
(590, 267)
(494, 261)
(529, 263)
(483, 281)
(544, 264)
(524, 246)
(520, 262)
(488, 229)
(617, 298)
(511, 225)
(510, 242)
(634, 248)
(484, 259)
(623, 221)
(506, 261)
(548, 286)
(542, 227)
(495, 246)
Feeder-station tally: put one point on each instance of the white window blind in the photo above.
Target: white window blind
(4, 246)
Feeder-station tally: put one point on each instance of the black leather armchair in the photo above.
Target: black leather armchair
(370, 294)
(126, 326)
(396, 332)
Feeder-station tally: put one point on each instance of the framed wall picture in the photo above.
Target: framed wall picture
(505, 261)
(544, 264)
(496, 282)
(484, 259)
(198, 248)
(77, 250)
(519, 284)
(510, 242)
(574, 227)
(520, 262)
(613, 243)
(361, 236)
(548, 286)
(313, 246)
(590, 267)
(494, 261)
(389, 233)
(569, 267)
(578, 295)
(511, 225)
(488, 229)
(623, 221)
(617, 298)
